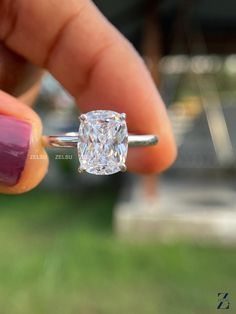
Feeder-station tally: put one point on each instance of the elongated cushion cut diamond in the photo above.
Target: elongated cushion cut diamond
(103, 142)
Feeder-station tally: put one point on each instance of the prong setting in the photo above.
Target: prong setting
(81, 170)
(83, 117)
(123, 168)
(123, 116)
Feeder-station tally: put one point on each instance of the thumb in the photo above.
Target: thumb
(23, 160)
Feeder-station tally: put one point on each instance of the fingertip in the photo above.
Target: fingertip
(154, 159)
(23, 160)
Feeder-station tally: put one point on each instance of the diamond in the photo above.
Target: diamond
(103, 142)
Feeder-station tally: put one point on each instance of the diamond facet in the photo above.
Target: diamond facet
(103, 142)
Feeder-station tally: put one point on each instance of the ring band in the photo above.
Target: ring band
(71, 139)
(102, 142)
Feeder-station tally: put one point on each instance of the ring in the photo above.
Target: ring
(102, 142)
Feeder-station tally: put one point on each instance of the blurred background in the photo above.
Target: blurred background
(137, 244)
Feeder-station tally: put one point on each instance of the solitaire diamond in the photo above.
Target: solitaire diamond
(103, 142)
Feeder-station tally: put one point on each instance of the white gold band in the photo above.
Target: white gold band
(72, 139)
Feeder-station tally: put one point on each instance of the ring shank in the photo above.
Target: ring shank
(71, 140)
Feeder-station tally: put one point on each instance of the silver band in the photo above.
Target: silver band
(71, 140)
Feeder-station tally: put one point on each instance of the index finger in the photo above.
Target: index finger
(74, 41)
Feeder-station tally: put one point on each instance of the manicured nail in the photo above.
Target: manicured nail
(14, 146)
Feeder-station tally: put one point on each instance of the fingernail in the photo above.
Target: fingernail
(14, 146)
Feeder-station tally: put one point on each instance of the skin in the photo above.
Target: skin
(93, 61)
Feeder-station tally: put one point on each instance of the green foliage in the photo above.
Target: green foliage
(58, 255)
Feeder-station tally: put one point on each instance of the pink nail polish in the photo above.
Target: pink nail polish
(14, 146)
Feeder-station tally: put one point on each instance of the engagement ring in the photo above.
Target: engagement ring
(102, 142)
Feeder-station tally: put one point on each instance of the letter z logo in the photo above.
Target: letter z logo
(223, 301)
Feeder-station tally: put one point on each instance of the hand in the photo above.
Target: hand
(93, 61)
